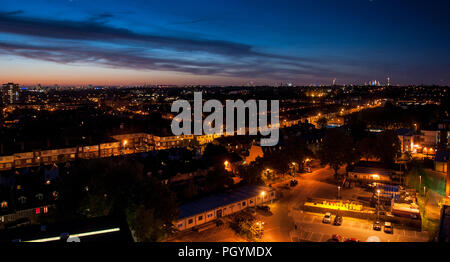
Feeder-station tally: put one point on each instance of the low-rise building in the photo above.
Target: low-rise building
(406, 137)
(210, 208)
(369, 174)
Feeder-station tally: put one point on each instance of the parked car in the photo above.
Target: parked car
(349, 240)
(293, 183)
(338, 220)
(377, 225)
(327, 218)
(335, 238)
(388, 228)
(251, 210)
(264, 208)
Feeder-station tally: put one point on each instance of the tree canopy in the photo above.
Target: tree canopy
(111, 187)
(337, 149)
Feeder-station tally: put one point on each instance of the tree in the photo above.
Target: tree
(322, 123)
(367, 147)
(115, 187)
(296, 150)
(245, 224)
(252, 173)
(215, 155)
(357, 129)
(217, 180)
(387, 146)
(151, 211)
(337, 150)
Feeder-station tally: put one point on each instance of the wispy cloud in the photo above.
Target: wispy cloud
(139, 51)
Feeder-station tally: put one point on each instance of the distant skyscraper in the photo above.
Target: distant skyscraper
(10, 93)
(388, 81)
(334, 81)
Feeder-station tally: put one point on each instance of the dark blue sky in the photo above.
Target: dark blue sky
(224, 42)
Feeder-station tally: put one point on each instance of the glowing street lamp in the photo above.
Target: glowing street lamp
(339, 192)
(420, 183)
(378, 203)
(227, 165)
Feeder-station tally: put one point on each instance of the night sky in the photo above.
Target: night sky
(224, 42)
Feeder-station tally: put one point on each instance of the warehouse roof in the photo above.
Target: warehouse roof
(371, 170)
(222, 199)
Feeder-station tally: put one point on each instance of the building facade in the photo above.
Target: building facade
(214, 207)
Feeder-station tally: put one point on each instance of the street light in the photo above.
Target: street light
(260, 224)
(339, 192)
(293, 169)
(378, 203)
(227, 166)
(420, 183)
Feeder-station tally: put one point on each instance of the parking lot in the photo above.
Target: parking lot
(310, 228)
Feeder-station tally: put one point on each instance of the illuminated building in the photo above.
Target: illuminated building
(216, 206)
(10, 93)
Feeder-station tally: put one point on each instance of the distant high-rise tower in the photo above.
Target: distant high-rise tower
(10, 93)
(334, 81)
(388, 81)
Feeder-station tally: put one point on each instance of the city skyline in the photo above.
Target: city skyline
(228, 43)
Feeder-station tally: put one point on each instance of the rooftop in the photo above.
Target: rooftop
(222, 199)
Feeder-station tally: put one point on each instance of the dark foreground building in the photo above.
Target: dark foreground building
(86, 230)
(444, 228)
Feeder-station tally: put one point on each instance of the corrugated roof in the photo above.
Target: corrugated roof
(369, 170)
(222, 199)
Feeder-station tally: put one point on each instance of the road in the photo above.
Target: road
(278, 226)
